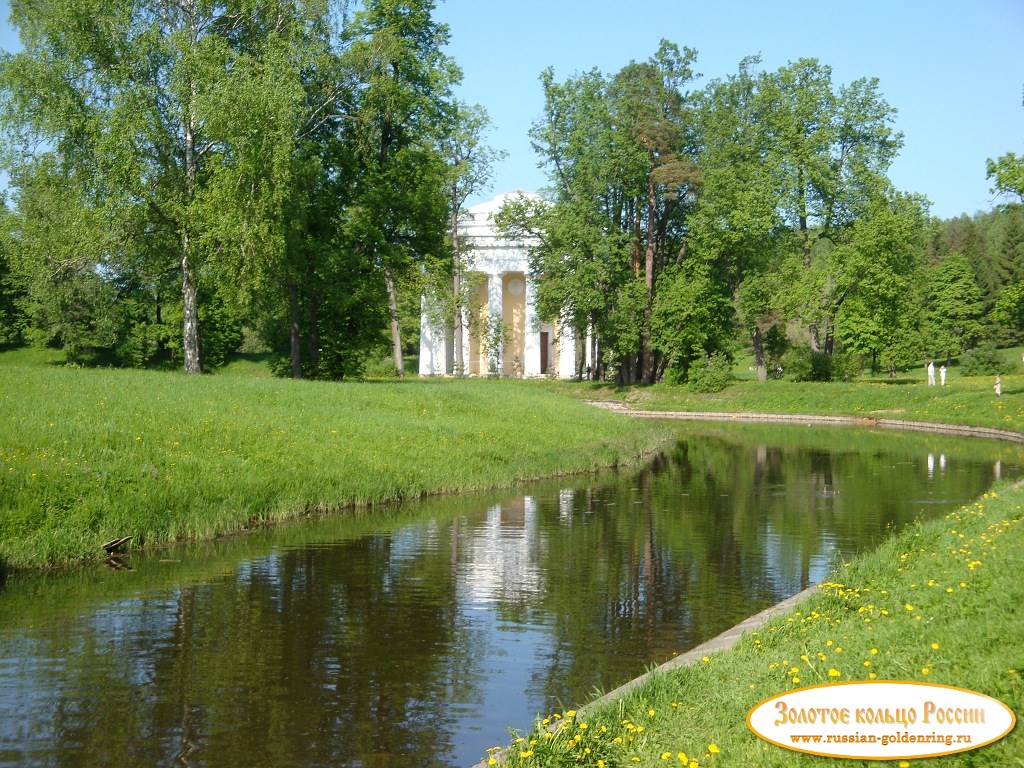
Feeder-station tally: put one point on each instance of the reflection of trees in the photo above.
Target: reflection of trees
(280, 665)
(710, 532)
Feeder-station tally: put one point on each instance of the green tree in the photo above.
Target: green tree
(470, 163)
(397, 213)
(878, 271)
(174, 118)
(1007, 172)
(954, 308)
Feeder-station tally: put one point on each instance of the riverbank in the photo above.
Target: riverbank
(938, 603)
(89, 455)
(964, 401)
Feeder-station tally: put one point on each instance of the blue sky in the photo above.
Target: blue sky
(953, 68)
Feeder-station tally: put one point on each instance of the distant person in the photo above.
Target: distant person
(942, 375)
(999, 386)
(931, 374)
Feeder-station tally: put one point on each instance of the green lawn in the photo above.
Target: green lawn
(87, 455)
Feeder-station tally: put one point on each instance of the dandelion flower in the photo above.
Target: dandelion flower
(713, 749)
(935, 646)
(834, 672)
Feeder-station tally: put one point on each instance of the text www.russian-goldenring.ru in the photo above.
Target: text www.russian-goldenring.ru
(885, 739)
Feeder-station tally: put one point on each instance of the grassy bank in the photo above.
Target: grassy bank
(939, 602)
(90, 455)
(970, 401)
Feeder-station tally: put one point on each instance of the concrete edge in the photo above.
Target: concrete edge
(809, 419)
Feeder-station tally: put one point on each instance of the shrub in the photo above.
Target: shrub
(985, 360)
(846, 366)
(712, 374)
(801, 363)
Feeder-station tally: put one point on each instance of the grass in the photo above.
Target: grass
(964, 400)
(90, 455)
(938, 603)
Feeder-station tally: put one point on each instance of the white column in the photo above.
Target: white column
(494, 307)
(566, 352)
(467, 335)
(531, 337)
(433, 355)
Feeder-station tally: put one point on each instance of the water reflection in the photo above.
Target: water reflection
(420, 635)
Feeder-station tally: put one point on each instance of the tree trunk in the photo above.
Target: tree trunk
(457, 333)
(293, 311)
(646, 354)
(189, 291)
(396, 332)
(762, 368)
(190, 312)
(314, 335)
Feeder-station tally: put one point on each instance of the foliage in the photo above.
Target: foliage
(954, 308)
(985, 360)
(1007, 172)
(801, 363)
(712, 374)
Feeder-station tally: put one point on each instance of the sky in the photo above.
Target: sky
(954, 69)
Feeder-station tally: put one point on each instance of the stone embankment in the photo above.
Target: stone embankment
(809, 420)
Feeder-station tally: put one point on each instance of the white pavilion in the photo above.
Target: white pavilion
(499, 286)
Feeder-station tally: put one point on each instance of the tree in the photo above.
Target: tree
(830, 149)
(954, 308)
(1008, 173)
(175, 118)
(470, 165)
(397, 212)
(878, 271)
(619, 155)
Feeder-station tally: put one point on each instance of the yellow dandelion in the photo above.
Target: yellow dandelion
(796, 680)
(834, 672)
(666, 755)
(935, 646)
(873, 651)
(682, 757)
(925, 670)
(713, 749)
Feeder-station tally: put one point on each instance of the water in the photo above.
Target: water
(415, 635)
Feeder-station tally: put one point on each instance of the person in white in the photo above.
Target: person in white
(931, 374)
(942, 375)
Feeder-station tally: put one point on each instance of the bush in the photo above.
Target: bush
(985, 360)
(712, 374)
(846, 366)
(801, 363)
